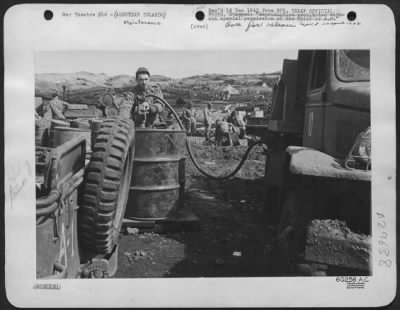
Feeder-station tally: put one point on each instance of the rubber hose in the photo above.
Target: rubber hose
(196, 164)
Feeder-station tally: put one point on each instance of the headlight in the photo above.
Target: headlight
(359, 156)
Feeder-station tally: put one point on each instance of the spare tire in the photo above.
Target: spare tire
(106, 187)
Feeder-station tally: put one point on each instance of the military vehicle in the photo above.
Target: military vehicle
(318, 166)
(81, 195)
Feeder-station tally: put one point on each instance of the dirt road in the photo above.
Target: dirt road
(235, 238)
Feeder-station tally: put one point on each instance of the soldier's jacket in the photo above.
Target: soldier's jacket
(222, 126)
(132, 98)
(236, 121)
(58, 108)
(207, 117)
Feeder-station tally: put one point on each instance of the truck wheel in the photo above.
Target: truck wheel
(106, 186)
(296, 213)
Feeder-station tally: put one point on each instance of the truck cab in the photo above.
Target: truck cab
(322, 98)
(337, 104)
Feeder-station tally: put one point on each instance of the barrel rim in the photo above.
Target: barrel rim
(160, 130)
(146, 219)
(60, 121)
(154, 188)
(72, 129)
(157, 159)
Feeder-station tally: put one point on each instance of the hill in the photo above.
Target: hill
(86, 87)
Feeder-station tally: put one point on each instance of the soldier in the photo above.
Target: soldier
(58, 107)
(238, 125)
(222, 133)
(189, 119)
(207, 121)
(143, 110)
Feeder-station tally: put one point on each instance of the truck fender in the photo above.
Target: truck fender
(311, 162)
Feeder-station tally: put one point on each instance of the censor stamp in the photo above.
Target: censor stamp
(353, 282)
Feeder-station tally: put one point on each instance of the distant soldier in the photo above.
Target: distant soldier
(222, 133)
(143, 110)
(185, 118)
(37, 116)
(189, 119)
(58, 107)
(44, 110)
(207, 121)
(238, 125)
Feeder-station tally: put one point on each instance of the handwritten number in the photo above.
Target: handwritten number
(385, 262)
(384, 247)
(383, 243)
(383, 235)
(384, 251)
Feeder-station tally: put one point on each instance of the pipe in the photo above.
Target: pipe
(53, 196)
(47, 210)
(196, 164)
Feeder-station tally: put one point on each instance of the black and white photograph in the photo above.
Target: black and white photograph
(200, 155)
(203, 164)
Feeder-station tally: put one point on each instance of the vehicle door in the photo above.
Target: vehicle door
(315, 101)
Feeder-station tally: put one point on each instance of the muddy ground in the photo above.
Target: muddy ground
(235, 239)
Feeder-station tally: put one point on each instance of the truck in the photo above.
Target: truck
(318, 165)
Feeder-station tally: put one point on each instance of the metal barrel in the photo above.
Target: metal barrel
(55, 123)
(42, 132)
(95, 126)
(65, 134)
(156, 183)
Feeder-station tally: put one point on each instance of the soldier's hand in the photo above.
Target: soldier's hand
(153, 109)
(142, 108)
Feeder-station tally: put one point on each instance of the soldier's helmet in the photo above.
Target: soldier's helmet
(142, 70)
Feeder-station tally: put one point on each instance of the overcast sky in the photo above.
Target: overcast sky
(175, 64)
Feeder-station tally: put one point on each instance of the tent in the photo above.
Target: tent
(226, 91)
(229, 89)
